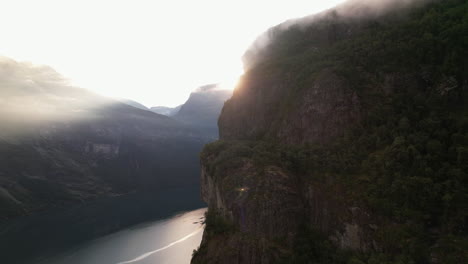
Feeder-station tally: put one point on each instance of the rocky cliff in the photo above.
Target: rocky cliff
(259, 208)
(345, 142)
(327, 106)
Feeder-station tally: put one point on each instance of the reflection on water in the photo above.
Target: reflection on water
(168, 241)
(148, 254)
(33, 239)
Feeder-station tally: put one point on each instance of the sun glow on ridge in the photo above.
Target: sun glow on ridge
(152, 52)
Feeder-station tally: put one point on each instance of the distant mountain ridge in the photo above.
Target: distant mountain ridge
(202, 109)
(134, 104)
(61, 145)
(164, 110)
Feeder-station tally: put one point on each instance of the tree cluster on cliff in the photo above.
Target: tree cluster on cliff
(407, 159)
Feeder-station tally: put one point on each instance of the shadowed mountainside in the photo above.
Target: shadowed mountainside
(61, 145)
(346, 141)
(202, 109)
(164, 110)
(134, 104)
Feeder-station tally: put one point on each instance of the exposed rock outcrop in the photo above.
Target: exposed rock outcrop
(268, 206)
(266, 107)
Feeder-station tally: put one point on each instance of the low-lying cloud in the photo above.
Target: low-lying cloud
(351, 10)
(34, 94)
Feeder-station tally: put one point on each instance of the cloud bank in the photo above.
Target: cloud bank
(351, 11)
(35, 94)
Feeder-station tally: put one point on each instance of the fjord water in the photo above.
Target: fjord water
(154, 227)
(168, 241)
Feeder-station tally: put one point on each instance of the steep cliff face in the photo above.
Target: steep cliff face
(259, 209)
(252, 226)
(267, 106)
(345, 148)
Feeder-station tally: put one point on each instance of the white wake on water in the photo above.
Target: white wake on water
(163, 248)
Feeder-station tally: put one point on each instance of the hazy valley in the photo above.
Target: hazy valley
(65, 150)
(344, 141)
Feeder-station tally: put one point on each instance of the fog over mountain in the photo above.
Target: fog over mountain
(202, 109)
(134, 104)
(346, 141)
(32, 93)
(164, 110)
(351, 14)
(60, 144)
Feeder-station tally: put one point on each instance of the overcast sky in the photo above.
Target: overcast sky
(154, 52)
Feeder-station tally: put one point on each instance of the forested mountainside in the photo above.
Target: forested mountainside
(61, 146)
(346, 141)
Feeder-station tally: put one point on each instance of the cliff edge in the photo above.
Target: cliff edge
(346, 141)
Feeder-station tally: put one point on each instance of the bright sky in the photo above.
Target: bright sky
(154, 52)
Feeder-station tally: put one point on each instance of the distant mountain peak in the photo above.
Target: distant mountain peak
(165, 110)
(202, 109)
(208, 88)
(133, 103)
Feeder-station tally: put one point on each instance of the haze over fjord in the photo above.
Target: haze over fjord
(152, 52)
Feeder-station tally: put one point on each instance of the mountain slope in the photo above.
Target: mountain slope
(202, 109)
(345, 142)
(134, 104)
(164, 110)
(61, 146)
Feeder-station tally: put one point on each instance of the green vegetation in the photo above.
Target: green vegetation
(407, 161)
(228, 155)
(431, 38)
(216, 223)
(312, 247)
(426, 52)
